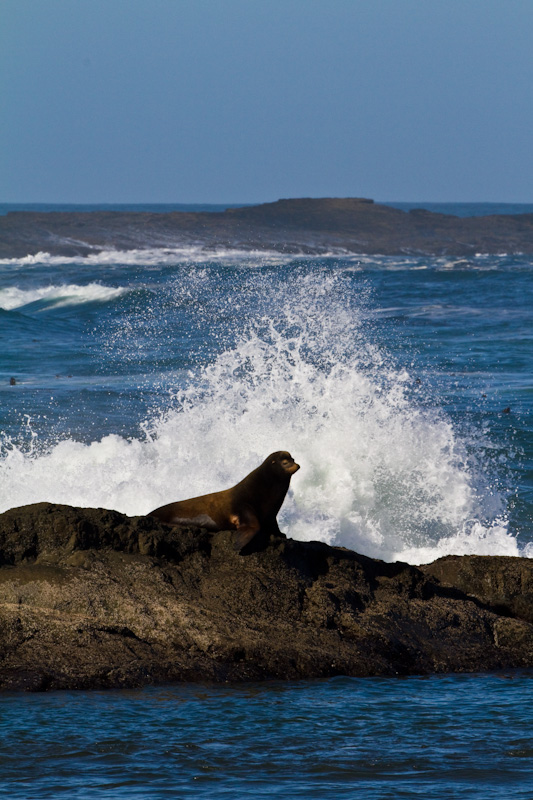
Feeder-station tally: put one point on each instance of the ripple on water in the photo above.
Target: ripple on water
(448, 736)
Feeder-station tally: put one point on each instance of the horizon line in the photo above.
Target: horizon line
(251, 203)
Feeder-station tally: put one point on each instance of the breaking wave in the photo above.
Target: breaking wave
(382, 472)
(155, 256)
(198, 254)
(64, 295)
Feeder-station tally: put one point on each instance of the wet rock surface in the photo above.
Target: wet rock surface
(90, 598)
(305, 225)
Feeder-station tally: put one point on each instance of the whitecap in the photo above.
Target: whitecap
(62, 295)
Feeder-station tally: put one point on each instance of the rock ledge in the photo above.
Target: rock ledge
(90, 598)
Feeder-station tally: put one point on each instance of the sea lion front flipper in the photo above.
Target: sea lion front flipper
(247, 527)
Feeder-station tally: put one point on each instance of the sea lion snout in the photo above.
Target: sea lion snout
(284, 460)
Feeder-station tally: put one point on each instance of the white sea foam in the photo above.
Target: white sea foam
(380, 473)
(62, 295)
(198, 254)
(158, 256)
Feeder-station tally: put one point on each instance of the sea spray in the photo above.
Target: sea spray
(291, 364)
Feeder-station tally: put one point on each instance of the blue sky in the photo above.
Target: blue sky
(252, 100)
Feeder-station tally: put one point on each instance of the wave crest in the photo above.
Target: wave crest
(12, 298)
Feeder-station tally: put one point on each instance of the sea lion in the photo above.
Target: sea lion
(249, 507)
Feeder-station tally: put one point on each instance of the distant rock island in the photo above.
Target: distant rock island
(307, 226)
(90, 598)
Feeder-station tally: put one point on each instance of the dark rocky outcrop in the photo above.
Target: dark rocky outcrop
(91, 598)
(304, 225)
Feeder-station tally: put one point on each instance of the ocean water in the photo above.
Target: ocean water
(445, 737)
(401, 385)
(149, 376)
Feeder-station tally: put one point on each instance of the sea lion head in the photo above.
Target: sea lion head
(282, 463)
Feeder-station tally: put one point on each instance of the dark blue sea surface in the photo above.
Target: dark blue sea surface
(445, 737)
(402, 385)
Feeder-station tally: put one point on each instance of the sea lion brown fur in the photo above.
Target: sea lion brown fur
(249, 507)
